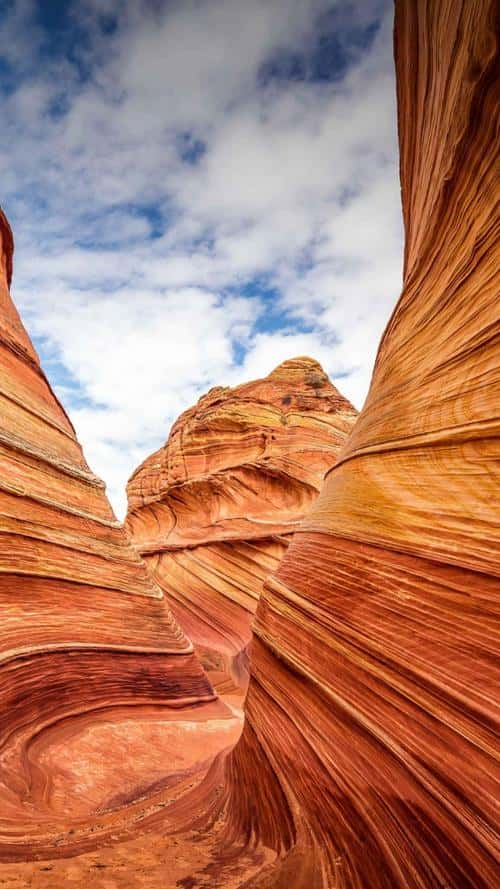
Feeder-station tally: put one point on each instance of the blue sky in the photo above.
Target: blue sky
(199, 189)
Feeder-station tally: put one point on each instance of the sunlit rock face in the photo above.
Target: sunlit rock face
(213, 511)
(368, 754)
(91, 658)
(368, 757)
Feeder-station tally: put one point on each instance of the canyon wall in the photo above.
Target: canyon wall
(213, 511)
(85, 633)
(369, 755)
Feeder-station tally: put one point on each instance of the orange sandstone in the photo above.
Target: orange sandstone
(369, 756)
(213, 511)
(91, 658)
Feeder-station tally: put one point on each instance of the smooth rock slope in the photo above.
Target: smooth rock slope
(213, 511)
(369, 756)
(91, 658)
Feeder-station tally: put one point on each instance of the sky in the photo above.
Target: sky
(199, 189)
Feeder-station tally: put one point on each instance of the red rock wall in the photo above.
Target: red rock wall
(83, 628)
(369, 756)
(373, 697)
(213, 511)
(213, 591)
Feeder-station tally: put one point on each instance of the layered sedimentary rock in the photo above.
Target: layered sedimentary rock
(91, 658)
(213, 511)
(369, 756)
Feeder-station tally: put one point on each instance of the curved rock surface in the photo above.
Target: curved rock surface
(213, 511)
(91, 658)
(370, 755)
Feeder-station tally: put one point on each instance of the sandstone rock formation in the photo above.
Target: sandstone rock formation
(213, 511)
(91, 658)
(369, 756)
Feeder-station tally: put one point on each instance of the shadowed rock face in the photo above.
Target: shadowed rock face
(85, 634)
(213, 511)
(372, 694)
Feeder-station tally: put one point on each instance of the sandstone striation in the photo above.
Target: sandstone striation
(86, 637)
(213, 511)
(369, 755)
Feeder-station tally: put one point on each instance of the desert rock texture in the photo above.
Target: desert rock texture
(213, 511)
(91, 658)
(369, 753)
(373, 699)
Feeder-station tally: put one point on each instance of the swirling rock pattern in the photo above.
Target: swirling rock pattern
(373, 697)
(369, 755)
(213, 511)
(91, 658)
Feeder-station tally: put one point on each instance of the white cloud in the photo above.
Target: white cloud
(295, 185)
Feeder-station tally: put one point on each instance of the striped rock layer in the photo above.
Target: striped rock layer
(84, 630)
(369, 756)
(369, 753)
(213, 511)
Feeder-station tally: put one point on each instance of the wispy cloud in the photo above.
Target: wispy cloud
(198, 191)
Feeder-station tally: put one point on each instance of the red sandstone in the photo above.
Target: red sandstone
(369, 756)
(213, 511)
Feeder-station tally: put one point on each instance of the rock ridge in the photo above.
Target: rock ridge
(214, 509)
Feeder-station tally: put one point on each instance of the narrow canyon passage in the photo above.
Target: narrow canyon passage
(368, 755)
(107, 716)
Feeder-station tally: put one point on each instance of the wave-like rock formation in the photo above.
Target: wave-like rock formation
(213, 511)
(369, 756)
(91, 658)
